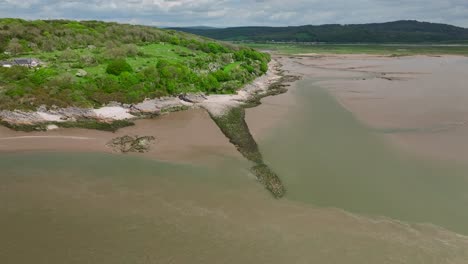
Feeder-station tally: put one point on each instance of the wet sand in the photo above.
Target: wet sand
(419, 103)
(187, 136)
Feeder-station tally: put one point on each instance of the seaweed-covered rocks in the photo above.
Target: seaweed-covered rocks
(128, 144)
(270, 179)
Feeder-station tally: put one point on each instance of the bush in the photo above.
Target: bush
(42, 75)
(221, 76)
(264, 67)
(119, 66)
(14, 73)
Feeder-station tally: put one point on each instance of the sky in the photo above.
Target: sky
(224, 13)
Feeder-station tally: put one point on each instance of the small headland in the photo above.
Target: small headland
(232, 123)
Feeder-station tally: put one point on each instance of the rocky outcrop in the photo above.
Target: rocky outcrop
(127, 144)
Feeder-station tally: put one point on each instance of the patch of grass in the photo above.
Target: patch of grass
(230, 67)
(24, 128)
(174, 109)
(97, 125)
(87, 124)
(375, 49)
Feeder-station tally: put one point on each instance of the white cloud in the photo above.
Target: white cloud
(241, 12)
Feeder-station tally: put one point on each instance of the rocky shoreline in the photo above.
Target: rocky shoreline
(115, 115)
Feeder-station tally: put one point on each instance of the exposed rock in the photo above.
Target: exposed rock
(126, 144)
(193, 98)
(52, 127)
(81, 73)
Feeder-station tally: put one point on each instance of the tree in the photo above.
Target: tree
(14, 47)
(118, 66)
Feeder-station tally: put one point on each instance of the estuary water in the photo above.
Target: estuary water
(351, 198)
(327, 158)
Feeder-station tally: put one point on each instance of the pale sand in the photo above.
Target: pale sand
(113, 112)
(420, 102)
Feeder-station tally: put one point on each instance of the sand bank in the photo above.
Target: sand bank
(418, 103)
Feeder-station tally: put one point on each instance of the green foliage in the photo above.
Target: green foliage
(221, 76)
(14, 73)
(118, 66)
(42, 75)
(124, 63)
(264, 67)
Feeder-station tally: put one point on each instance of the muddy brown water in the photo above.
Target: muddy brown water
(354, 194)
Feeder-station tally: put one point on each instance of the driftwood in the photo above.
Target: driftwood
(127, 144)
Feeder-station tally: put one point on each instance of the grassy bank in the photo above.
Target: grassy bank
(376, 49)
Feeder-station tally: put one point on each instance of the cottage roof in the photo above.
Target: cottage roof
(23, 61)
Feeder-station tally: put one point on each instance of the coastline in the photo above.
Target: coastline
(181, 136)
(117, 115)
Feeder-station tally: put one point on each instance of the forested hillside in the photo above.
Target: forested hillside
(391, 32)
(91, 63)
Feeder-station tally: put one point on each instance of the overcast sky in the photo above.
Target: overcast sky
(224, 13)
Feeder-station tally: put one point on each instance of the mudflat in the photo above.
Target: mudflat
(419, 103)
(179, 137)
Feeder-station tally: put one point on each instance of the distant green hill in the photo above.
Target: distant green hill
(90, 63)
(405, 31)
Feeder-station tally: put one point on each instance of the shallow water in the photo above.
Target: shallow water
(351, 198)
(325, 157)
(99, 208)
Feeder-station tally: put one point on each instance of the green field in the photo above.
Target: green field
(377, 49)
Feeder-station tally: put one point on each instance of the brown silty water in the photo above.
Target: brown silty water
(353, 196)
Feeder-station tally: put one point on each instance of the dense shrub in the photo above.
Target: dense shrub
(264, 67)
(118, 66)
